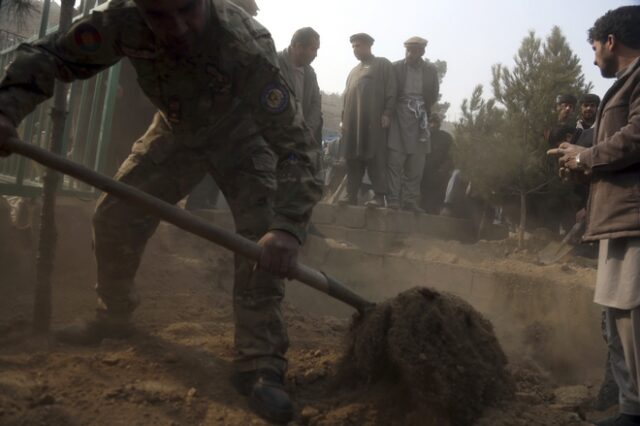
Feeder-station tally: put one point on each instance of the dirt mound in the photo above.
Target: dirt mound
(436, 348)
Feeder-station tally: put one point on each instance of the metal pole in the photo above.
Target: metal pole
(48, 233)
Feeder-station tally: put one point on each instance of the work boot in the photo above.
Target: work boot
(87, 333)
(620, 420)
(376, 202)
(267, 396)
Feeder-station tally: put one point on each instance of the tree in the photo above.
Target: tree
(441, 108)
(504, 136)
(18, 9)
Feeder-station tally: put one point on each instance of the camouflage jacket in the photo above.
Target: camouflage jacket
(232, 86)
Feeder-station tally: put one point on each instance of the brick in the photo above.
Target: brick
(324, 214)
(351, 216)
(394, 221)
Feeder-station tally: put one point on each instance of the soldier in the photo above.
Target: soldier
(369, 102)
(409, 142)
(223, 109)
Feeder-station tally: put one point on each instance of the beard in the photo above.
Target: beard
(609, 67)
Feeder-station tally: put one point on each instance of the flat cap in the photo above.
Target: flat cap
(590, 98)
(416, 41)
(566, 99)
(362, 37)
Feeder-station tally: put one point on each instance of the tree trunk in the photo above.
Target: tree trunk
(48, 233)
(523, 219)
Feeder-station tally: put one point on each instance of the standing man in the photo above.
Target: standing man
(438, 168)
(418, 89)
(369, 102)
(223, 108)
(588, 108)
(613, 165)
(295, 65)
(564, 129)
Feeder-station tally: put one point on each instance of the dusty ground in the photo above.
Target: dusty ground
(177, 370)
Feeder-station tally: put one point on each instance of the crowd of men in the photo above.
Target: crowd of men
(197, 60)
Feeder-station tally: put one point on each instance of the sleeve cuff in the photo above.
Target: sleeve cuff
(300, 232)
(586, 158)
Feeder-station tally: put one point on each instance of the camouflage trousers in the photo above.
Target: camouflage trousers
(161, 166)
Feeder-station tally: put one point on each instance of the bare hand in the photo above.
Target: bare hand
(385, 121)
(279, 253)
(568, 153)
(7, 131)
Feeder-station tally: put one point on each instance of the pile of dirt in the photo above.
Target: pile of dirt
(434, 348)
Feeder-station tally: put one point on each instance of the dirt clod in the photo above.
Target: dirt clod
(436, 348)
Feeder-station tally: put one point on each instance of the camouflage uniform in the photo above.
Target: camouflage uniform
(225, 111)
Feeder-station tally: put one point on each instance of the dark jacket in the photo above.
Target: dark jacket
(614, 200)
(311, 100)
(430, 82)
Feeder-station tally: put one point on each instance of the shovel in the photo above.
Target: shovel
(184, 220)
(555, 251)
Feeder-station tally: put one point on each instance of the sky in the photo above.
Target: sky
(470, 35)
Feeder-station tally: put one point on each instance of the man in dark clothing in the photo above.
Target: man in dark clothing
(369, 103)
(417, 91)
(564, 130)
(438, 168)
(612, 166)
(588, 107)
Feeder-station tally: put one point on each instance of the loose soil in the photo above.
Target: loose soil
(176, 371)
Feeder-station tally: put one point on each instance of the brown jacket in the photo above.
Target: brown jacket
(613, 210)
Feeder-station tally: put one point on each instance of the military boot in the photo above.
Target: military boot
(92, 332)
(266, 393)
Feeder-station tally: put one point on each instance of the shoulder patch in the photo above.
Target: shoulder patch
(87, 38)
(274, 98)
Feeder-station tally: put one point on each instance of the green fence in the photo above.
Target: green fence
(87, 130)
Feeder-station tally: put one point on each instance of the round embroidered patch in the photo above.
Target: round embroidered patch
(87, 37)
(275, 98)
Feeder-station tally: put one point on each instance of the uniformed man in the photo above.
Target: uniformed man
(369, 102)
(409, 141)
(223, 109)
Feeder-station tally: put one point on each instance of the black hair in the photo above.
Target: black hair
(623, 23)
(305, 36)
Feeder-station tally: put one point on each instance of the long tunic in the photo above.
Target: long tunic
(370, 93)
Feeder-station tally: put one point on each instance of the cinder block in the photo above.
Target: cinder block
(324, 214)
(351, 216)
(334, 232)
(394, 221)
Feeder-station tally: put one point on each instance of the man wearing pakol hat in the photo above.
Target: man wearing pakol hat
(418, 89)
(369, 101)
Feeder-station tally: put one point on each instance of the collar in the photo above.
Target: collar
(628, 69)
